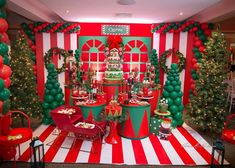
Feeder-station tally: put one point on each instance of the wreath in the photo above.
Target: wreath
(181, 62)
(54, 52)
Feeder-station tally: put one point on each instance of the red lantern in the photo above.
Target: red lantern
(3, 25)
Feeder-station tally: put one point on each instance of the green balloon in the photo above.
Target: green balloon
(203, 37)
(170, 78)
(174, 95)
(179, 82)
(177, 101)
(165, 94)
(180, 94)
(49, 86)
(197, 55)
(178, 116)
(45, 105)
(58, 97)
(167, 82)
(173, 109)
(3, 14)
(49, 98)
(62, 102)
(1, 85)
(177, 78)
(3, 49)
(174, 83)
(181, 107)
(54, 104)
(169, 88)
(47, 92)
(174, 123)
(169, 101)
(2, 3)
(5, 94)
(6, 106)
(51, 66)
(6, 60)
(174, 66)
(177, 88)
(180, 122)
(57, 85)
(53, 81)
(53, 92)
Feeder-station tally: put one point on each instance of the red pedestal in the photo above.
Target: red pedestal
(113, 137)
(111, 90)
(154, 102)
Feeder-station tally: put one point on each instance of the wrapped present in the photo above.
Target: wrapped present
(155, 124)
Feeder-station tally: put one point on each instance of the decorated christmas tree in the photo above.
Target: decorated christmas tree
(23, 88)
(154, 61)
(53, 95)
(173, 94)
(207, 108)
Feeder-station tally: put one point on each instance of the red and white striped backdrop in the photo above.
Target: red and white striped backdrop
(184, 43)
(45, 41)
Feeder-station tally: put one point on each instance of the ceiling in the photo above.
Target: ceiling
(118, 11)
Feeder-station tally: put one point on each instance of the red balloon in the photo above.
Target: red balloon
(5, 72)
(30, 43)
(195, 29)
(33, 47)
(192, 86)
(3, 25)
(208, 32)
(1, 107)
(7, 82)
(204, 26)
(196, 38)
(191, 81)
(1, 61)
(195, 93)
(194, 60)
(198, 43)
(195, 66)
(4, 38)
(202, 49)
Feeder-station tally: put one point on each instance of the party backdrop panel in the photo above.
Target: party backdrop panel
(135, 55)
(45, 41)
(183, 42)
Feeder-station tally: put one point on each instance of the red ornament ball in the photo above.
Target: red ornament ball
(5, 72)
(194, 60)
(198, 43)
(7, 82)
(195, 66)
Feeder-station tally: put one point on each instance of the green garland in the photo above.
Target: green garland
(181, 63)
(56, 51)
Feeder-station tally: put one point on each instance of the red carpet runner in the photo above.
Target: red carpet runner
(184, 147)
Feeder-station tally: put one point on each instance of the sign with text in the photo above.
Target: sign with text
(115, 29)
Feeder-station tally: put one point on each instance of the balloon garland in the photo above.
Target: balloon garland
(201, 30)
(181, 64)
(54, 52)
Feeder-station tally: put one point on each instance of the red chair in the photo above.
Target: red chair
(72, 123)
(228, 133)
(11, 138)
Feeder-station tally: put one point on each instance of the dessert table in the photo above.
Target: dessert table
(137, 124)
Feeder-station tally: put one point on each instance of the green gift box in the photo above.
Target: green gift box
(155, 124)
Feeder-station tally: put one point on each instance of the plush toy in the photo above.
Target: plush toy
(165, 129)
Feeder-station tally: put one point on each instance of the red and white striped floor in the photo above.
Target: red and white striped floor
(184, 147)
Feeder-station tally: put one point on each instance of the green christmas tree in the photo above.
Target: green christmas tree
(23, 88)
(207, 109)
(173, 94)
(154, 61)
(53, 95)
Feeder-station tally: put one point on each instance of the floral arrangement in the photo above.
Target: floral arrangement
(163, 105)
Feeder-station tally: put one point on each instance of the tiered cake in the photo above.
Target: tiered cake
(113, 66)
